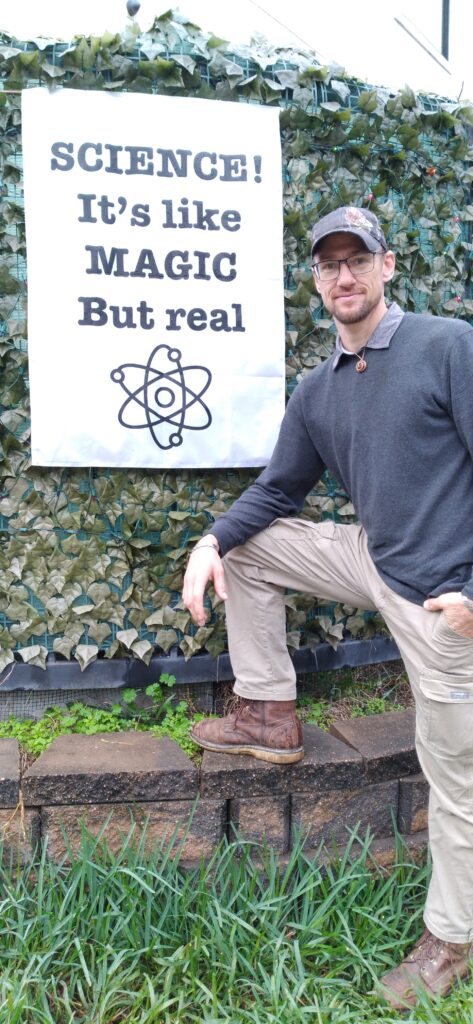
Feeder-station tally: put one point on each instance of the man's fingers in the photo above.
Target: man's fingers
(460, 620)
(219, 582)
(458, 617)
(193, 597)
(203, 566)
(435, 604)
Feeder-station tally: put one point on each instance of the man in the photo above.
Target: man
(390, 414)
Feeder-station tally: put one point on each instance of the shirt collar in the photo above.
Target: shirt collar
(380, 338)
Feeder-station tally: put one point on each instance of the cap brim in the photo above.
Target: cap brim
(370, 243)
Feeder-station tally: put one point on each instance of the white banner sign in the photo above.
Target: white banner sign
(155, 280)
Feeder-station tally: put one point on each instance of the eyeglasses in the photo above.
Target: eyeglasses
(359, 264)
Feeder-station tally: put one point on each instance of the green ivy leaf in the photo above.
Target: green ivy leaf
(99, 631)
(34, 655)
(368, 101)
(9, 285)
(85, 654)
(166, 638)
(143, 650)
(408, 98)
(127, 637)
(63, 645)
(189, 645)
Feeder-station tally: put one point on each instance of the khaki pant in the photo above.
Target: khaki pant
(333, 562)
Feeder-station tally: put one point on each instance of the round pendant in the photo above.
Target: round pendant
(361, 365)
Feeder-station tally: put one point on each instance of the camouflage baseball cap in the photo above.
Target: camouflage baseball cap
(354, 221)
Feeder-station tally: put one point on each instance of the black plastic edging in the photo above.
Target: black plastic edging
(202, 668)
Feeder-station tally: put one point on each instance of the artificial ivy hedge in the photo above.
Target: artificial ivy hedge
(93, 560)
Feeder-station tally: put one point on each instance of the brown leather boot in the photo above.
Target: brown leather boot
(267, 729)
(433, 966)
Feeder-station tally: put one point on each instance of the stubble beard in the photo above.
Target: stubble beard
(355, 316)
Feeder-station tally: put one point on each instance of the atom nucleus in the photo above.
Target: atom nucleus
(163, 396)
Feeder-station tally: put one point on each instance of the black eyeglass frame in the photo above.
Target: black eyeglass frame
(315, 266)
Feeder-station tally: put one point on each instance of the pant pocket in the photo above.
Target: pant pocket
(445, 635)
(446, 714)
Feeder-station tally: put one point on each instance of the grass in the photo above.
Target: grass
(134, 938)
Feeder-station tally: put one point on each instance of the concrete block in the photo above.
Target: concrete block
(110, 768)
(413, 803)
(9, 773)
(324, 817)
(261, 820)
(385, 742)
(382, 852)
(327, 764)
(20, 833)
(192, 829)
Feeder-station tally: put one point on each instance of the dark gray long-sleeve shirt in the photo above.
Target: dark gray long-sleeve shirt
(399, 438)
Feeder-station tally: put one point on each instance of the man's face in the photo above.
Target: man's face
(347, 298)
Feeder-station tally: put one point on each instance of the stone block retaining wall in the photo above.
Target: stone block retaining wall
(364, 774)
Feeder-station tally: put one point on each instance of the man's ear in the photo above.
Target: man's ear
(389, 266)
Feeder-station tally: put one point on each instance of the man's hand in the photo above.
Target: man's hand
(204, 564)
(458, 616)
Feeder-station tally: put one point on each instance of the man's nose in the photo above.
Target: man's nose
(345, 275)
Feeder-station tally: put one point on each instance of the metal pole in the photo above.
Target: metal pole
(445, 27)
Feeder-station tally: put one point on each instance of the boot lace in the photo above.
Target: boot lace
(429, 947)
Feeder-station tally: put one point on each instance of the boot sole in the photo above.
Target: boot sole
(262, 753)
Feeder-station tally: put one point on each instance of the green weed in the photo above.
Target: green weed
(374, 706)
(158, 716)
(162, 716)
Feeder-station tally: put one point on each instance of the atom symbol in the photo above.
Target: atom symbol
(164, 400)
